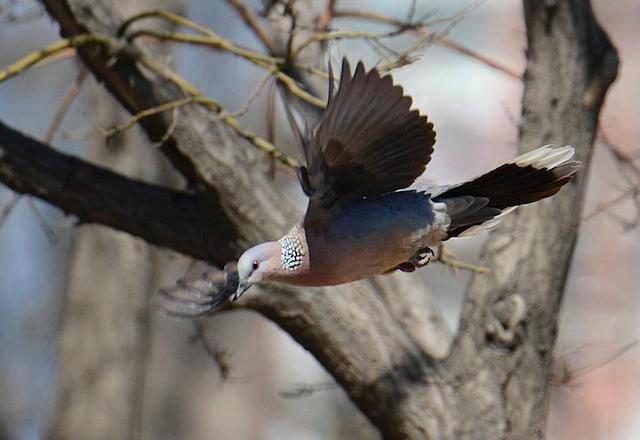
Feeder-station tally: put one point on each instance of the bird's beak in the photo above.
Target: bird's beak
(240, 290)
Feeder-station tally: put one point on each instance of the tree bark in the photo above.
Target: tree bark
(159, 215)
(493, 382)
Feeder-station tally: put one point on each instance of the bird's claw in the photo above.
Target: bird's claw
(423, 257)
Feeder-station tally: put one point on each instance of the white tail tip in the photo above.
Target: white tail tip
(548, 156)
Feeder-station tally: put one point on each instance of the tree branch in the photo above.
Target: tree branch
(159, 215)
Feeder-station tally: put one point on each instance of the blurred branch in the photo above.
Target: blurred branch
(307, 389)
(630, 172)
(604, 207)
(422, 30)
(58, 117)
(219, 356)
(69, 97)
(567, 374)
(8, 208)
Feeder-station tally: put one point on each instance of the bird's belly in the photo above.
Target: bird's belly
(369, 240)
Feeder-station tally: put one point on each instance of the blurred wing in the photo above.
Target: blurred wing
(368, 143)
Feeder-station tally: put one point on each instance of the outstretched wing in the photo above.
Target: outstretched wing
(368, 143)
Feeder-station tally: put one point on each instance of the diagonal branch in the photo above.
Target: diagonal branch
(158, 215)
(252, 22)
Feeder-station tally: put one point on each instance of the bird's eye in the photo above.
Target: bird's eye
(255, 265)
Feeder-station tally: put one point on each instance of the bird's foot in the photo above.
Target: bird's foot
(422, 257)
(448, 258)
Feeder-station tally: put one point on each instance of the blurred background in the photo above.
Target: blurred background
(244, 378)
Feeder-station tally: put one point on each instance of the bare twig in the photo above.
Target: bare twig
(447, 258)
(634, 190)
(218, 355)
(264, 61)
(168, 16)
(151, 111)
(252, 22)
(170, 129)
(307, 389)
(568, 375)
(293, 14)
(254, 95)
(213, 41)
(194, 94)
(342, 35)
(8, 208)
(34, 57)
(630, 171)
(423, 32)
(58, 117)
(620, 155)
(68, 99)
(48, 230)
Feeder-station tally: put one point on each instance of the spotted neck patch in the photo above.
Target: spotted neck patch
(292, 251)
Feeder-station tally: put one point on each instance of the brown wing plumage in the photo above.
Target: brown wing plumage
(368, 143)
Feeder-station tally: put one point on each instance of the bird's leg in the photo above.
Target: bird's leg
(422, 257)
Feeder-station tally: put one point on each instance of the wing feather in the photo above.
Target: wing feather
(368, 143)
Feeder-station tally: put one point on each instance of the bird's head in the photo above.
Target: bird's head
(257, 264)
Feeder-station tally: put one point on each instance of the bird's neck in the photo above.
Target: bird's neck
(293, 256)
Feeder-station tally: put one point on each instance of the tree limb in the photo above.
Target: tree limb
(158, 215)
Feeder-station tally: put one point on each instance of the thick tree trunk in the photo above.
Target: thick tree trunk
(493, 382)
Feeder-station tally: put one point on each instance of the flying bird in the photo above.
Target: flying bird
(361, 219)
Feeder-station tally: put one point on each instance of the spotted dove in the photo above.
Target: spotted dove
(361, 219)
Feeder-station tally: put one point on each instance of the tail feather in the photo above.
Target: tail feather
(528, 178)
